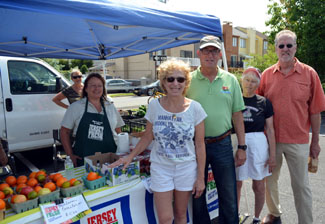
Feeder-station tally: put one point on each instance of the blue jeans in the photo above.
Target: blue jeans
(220, 156)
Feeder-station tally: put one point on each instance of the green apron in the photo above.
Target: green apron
(94, 134)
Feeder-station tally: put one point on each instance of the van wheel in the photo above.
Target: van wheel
(150, 92)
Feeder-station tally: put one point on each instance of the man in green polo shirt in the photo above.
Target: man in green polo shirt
(220, 95)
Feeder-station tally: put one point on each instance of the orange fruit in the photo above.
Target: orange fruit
(72, 181)
(32, 175)
(2, 204)
(3, 186)
(37, 188)
(92, 176)
(52, 176)
(57, 176)
(12, 198)
(60, 181)
(41, 172)
(99, 177)
(21, 180)
(32, 182)
(50, 185)
(19, 186)
(2, 195)
(11, 180)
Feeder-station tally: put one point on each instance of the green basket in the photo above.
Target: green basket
(24, 206)
(55, 195)
(94, 184)
(72, 191)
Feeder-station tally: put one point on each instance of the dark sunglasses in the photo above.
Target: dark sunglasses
(281, 46)
(179, 79)
(77, 77)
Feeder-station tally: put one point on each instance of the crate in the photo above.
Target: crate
(24, 206)
(72, 191)
(94, 184)
(55, 195)
(134, 125)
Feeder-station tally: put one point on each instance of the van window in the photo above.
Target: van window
(30, 78)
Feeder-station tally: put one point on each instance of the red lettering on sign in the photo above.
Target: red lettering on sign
(99, 219)
(93, 220)
(104, 216)
(210, 176)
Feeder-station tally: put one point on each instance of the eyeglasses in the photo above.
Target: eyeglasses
(213, 52)
(281, 46)
(179, 79)
(77, 77)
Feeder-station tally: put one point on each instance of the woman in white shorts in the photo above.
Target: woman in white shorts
(260, 154)
(177, 161)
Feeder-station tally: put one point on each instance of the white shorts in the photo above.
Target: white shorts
(180, 177)
(257, 154)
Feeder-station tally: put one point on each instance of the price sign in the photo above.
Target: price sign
(71, 209)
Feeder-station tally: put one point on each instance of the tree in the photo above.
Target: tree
(265, 61)
(84, 69)
(78, 63)
(306, 18)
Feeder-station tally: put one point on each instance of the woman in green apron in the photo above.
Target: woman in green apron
(94, 120)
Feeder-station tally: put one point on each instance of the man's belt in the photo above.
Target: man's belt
(210, 140)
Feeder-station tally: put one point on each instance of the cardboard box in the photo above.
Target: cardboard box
(114, 176)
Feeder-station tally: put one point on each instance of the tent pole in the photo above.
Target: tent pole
(224, 58)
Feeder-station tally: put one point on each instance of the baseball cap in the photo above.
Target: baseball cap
(210, 41)
(256, 72)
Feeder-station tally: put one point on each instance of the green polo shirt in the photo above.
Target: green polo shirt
(220, 99)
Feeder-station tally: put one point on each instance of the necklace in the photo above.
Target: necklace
(174, 116)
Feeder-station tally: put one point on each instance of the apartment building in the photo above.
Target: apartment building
(240, 44)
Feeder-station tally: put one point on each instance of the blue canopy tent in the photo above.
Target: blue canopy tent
(96, 29)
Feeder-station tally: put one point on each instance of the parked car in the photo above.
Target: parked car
(148, 90)
(118, 85)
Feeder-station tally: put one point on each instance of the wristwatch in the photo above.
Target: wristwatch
(243, 147)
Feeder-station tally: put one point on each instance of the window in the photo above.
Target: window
(234, 41)
(233, 62)
(186, 54)
(242, 43)
(30, 77)
(265, 45)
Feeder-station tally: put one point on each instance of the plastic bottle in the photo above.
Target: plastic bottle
(312, 165)
(68, 166)
(98, 167)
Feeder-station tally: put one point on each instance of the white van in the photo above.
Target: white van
(27, 113)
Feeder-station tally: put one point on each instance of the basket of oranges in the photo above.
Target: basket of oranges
(2, 209)
(20, 203)
(94, 181)
(19, 193)
(72, 187)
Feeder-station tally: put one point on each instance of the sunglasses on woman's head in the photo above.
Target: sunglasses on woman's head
(77, 77)
(281, 46)
(179, 79)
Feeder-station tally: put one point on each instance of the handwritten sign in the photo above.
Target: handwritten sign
(64, 212)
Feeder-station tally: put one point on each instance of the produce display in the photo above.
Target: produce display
(24, 193)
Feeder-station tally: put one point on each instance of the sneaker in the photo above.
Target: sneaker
(241, 218)
(256, 221)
